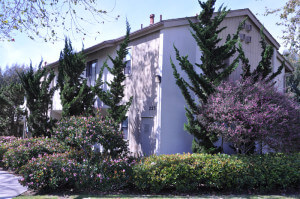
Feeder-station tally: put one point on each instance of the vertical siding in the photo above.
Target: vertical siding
(252, 50)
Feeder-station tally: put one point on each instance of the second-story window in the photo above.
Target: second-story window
(91, 72)
(128, 58)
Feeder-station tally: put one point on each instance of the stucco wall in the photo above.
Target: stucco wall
(173, 137)
(141, 85)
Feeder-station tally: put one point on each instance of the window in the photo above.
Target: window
(128, 59)
(91, 72)
(124, 127)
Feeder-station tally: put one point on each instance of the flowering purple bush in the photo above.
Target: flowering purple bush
(5, 142)
(23, 150)
(83, 132)
(8, 143)
(243, 112)
(7, 139)
(60, 172)
(50, 172)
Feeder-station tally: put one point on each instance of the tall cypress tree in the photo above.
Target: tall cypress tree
(76, 96)
(38, 94)
(264, 70)
(113, 97)
(294, 80)
(11, 98)
(214, 70)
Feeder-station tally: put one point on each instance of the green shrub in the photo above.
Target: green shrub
(50, 172)
(83, 132)
(10, 143)
(195, 172)
(60, 172)
(7, 139)
(21, 151)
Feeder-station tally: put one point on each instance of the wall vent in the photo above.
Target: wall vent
(248, 39)
(248, 27)
(242, 37)
(244, 25)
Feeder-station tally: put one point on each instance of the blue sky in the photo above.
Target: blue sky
(24, 50)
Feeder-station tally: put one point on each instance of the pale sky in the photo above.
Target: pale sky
(24, 50)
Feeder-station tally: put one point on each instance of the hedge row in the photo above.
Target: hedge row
(48, 165)
(196, 172)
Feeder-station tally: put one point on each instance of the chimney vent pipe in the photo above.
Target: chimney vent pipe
(152, 19)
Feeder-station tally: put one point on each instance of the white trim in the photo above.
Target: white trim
(158, 110)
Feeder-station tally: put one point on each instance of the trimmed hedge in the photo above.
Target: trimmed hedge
(196, 172)
(19, 152)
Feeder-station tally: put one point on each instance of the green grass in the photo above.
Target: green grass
(162, 196)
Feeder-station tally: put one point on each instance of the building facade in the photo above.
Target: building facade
(156, 117)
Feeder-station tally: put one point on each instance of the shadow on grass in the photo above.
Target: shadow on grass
(190, 196)
(161, 196)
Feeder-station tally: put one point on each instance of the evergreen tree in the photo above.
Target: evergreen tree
(38, 94)
(294, 80)
(113, 97)
(76, 96)
(214, 70)
(264, 69)
(11, 98)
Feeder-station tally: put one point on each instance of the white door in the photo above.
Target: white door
(147, 137)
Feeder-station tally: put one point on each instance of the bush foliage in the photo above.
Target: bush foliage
(245, 112)
(82, 133)
(19, 152)
(198, 172)
(47, 165)
(60, 172)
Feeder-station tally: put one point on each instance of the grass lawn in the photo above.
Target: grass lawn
(162, 196)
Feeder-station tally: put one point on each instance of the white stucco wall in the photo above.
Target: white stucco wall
(173, 137)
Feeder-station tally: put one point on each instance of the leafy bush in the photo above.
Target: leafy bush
(7, 143)
(7, 139)
(243, 113)
(84, 132)
(21, 151)
(59, 172)
(186, 173)
(50, 172)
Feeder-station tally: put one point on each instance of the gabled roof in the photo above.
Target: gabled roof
(177, 22)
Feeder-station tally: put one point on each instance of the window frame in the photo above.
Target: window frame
(129, 49)
(89, 72)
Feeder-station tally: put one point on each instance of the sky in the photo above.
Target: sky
(137, 12)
